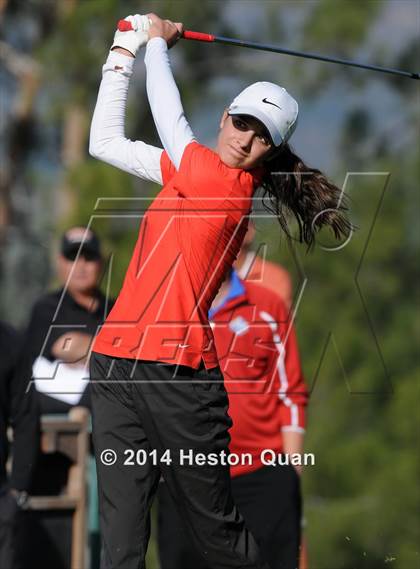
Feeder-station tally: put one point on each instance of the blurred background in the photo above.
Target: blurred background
(357, 307)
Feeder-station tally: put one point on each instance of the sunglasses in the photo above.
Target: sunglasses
(85, 253)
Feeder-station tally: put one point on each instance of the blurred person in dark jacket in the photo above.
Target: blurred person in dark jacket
(63, 323)
(18, 411)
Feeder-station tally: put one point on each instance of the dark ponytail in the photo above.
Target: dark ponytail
(291, 187)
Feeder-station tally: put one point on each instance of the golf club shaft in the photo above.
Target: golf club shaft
(308, 55)
(123, 25)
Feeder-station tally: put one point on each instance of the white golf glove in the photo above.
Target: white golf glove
(133, 39)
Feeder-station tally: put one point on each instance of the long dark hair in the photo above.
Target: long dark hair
(291, 188)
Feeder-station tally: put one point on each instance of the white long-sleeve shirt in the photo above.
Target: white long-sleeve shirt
(107, 135)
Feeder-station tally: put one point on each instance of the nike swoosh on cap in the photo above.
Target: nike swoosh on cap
(270, 103)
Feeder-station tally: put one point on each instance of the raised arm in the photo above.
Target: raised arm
(165, 102)
(107, 135)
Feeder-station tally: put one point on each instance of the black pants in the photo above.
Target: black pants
(269, 500)
(142, 407)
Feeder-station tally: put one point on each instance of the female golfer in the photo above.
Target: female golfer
(153, 413)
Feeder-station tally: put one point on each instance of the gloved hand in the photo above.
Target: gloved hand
(135, 38)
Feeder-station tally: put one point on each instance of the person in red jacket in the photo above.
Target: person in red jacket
(258, 355)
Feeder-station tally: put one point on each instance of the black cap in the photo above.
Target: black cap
(80, 239)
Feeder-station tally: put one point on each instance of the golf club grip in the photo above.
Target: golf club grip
(125, 26)
(198, 36)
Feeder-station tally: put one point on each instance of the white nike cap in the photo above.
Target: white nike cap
(270, 104)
